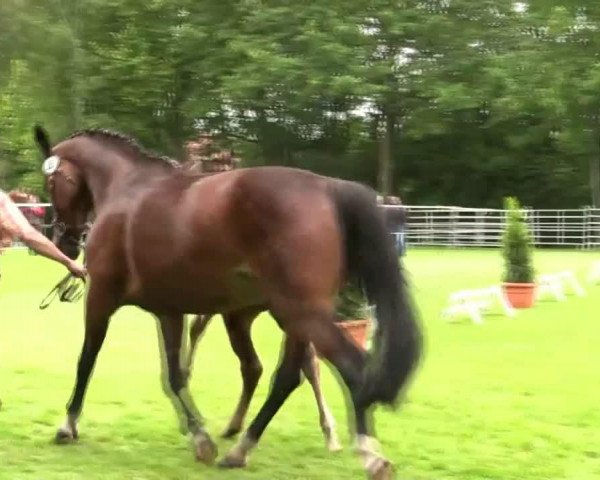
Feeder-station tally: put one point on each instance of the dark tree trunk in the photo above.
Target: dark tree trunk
(385, 173)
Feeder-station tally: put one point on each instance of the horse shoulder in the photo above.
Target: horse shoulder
(105, 242)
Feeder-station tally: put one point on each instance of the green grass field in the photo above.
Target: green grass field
(511, 399)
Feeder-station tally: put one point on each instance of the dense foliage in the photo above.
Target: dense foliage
(441, 101)
(352, 303)
(517, 245)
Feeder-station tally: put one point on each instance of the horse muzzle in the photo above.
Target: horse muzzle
(69, 246)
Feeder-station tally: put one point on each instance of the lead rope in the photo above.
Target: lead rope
(68, 289)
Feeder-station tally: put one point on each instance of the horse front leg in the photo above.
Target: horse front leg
(176, 387)
(100, 305)
(238, 326)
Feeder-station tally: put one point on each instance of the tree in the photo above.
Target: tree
(17, 112)
(444, 102)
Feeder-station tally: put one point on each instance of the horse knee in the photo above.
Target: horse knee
(251, 372)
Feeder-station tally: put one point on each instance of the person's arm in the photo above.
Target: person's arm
(38, 242)
(19, 228)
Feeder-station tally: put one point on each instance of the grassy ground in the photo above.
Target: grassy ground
(512, 399)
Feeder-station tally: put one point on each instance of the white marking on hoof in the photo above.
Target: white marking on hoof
(367, 444)
(237, 457)
(376, 466)
(205, 449)
(68, 432)
(333, 443)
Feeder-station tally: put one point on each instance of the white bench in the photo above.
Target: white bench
(473, 303)
(594, 275)
(555, 283)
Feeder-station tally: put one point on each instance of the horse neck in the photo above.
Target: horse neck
(122, 182)
(112, 175)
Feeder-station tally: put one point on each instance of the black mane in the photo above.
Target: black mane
(124, 141)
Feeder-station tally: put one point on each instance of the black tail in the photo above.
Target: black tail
(371, 257)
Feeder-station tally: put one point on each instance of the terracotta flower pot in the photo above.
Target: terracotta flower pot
(520, 295)
(358, 331)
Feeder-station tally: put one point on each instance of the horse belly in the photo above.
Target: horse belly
(183, 290)
(181, 263)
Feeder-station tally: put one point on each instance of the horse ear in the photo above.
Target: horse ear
(43, 141)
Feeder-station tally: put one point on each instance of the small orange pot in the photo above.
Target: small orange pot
(358, 331)
(520, 295)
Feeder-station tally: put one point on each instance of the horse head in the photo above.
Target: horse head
(69, 196)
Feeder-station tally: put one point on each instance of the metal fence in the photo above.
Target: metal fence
(482, 227)
(478, 227)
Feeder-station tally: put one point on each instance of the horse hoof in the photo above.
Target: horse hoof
(333, 445)
(205, 450)
(231, 461)
(384, 472)
(230, 432)
(64, 437)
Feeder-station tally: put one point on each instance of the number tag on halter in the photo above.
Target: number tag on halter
(50, 165)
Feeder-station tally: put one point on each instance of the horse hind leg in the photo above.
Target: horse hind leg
(296, 321)
(238, 328)
(350, 362)
(196, 330)
(287, 378)
(316, 326)
(311, 370)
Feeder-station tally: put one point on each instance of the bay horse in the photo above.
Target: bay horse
(173, 243)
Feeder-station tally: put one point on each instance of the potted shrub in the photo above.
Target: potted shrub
(353, 313)
(517, 249)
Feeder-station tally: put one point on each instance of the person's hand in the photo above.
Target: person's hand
(77, 270)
